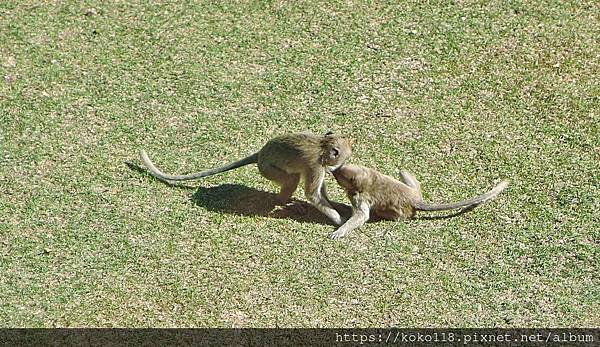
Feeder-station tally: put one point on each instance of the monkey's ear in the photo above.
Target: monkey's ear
(335, 152)
(351, 141)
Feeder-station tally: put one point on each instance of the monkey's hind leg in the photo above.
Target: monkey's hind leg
(288, 184)
(411, 181)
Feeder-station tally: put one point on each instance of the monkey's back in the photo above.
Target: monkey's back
(291, 153)
(390, 198)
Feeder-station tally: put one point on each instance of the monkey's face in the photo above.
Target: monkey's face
(336, 150)
(350, 177)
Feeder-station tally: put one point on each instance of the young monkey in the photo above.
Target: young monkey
(387, 198)
(286, 160)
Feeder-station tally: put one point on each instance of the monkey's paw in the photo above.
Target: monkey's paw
(338, 234)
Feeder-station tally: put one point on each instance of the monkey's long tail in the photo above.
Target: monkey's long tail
(253, 158)
(422, 206)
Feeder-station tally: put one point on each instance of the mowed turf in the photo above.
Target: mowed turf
(461, 93)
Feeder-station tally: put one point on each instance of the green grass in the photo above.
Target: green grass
(461, 93)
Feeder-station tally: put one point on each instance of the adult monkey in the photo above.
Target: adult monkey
(384, 196)
(286, 160)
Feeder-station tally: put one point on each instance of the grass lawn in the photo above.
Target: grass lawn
(461, 93)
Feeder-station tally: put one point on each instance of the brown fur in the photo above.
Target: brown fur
(286, 160)
(372, 192)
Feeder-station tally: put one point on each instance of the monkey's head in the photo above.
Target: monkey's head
(351, 177)
(335, 150)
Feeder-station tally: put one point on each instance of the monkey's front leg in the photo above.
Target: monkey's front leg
(318, 201)
(360, 215)
(314, 193)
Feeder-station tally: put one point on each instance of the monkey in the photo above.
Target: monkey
(286, 160)
(385, 197)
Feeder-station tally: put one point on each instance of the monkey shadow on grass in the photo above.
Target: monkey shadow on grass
(242, 200)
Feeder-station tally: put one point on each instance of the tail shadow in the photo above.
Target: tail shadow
(449, 215)
(141, 170)
(241, 200)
